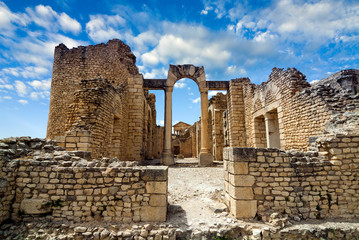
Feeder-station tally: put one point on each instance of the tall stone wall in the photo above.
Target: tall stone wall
(98, 103)
(113, 61)
(236, 113)
(300, 185)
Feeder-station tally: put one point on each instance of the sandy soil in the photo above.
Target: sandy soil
(195, 196)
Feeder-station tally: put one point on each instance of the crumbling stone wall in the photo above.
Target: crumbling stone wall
(113, 61)
(286, 110)
(301, 185)
(44, 180)
(98, 103)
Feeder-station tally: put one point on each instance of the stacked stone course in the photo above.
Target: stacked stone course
(66, 186)
(98, 103)
(318, 184)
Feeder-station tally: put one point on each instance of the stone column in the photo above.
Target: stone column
(205, 156)
(167, 156)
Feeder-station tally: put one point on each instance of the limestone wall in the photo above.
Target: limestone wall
(286, 110)
(98, 103)
(301, 185)
(113, 61)
(64, 186)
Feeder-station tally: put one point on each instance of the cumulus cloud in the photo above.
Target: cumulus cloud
(196, 49)
(153, 73)
(23, 101)
(301, 21)
(49, 19)
(21, 88)
(101, 28)
(41, 85)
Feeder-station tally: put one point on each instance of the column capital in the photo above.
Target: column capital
(168, 89)
(203, 91)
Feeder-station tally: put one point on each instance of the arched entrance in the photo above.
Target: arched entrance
(197, 74)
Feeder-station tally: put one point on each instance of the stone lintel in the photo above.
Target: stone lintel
(154, 84)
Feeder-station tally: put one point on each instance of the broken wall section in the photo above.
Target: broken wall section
(286, 110)
(64, 186)
(113, 61)
(301, 185)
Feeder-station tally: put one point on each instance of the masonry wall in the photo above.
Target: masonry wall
(98, 103)
(299, 109)
(217, 105)
(302, 185)
(236, 113)
(113, 61)
(63, 186)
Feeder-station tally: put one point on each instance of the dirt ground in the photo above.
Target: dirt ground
(195, 196)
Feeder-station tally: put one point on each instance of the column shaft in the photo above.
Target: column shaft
(167, 156)
(205, 156)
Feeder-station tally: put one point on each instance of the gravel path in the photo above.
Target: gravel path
(195, 195)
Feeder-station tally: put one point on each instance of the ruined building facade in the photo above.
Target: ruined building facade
(98, 103)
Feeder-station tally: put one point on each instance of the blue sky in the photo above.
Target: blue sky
(229, 38)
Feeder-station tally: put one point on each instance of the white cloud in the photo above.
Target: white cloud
(23, 102)
(8, 20)
(154, 73)
(196, 49)
(197, 100)
(69, 24)
(300, 21)
(180, 83)
(5, 97)
(102, 28)
(205, 11)
(21, 88)
(41, 85)
(49, 19)
(234, 70)
(26, 72)
(7, 86)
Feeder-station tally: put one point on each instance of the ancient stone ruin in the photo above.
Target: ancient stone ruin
(289, 149)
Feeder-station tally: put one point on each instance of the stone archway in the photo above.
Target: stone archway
(197, 74)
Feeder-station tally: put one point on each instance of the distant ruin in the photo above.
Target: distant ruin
(288, 147)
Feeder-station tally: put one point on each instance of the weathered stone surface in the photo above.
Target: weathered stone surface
(34, 206)
(153, 214)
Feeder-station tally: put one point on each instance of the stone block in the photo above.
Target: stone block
(238, 167)
(34, 206)
(156, 187)
(153, 214)
(241, 180)
(158, 200)
(243, 209)
(155, 173)
(241, 192)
